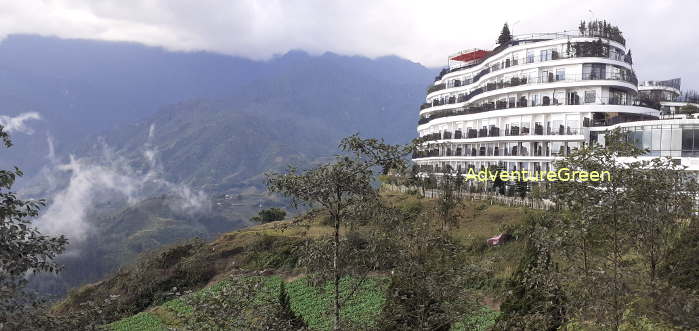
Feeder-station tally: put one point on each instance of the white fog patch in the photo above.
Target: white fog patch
(69, 207)
(17, 123)
(106, 178)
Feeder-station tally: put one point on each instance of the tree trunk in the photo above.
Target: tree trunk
(336, 252)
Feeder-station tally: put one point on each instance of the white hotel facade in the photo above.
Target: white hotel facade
(538, 97)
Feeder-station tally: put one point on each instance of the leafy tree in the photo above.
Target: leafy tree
(681, 267)
(678, 300)
(430, 181)
(429, 281)
(595, 223)
(413, 178)
(535, 299)
(521, 188)
(689, 109)
(505, 35)
(23, 249)
(628, 57)
(661, 195)
(449, 199)
(344, 189)
(269, 215)
(613, 228)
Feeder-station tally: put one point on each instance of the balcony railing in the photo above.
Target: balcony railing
(435, 88)
(514, 61)
(515, 130)
(546, 101)
(497, 84)
(535, 149)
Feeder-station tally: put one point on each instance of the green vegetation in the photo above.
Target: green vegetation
(598, 263)
(144, 321)
(611, 257)
(505, 35)
(313, 303)
(23, 249)
(148, 285)
(482, 320)
(269, 215)
(309, 302)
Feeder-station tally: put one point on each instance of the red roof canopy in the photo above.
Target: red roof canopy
(470, 56)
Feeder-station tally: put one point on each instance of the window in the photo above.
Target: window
(573, 98)
(572, 127)
(594, 71)
(530, 56)
(545, 76)
(590, 96)
(560, 74)
(546, 55)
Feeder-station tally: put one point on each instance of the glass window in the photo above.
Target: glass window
(655, 143)
(530, 56)
(557, 148)
(594, 71)
(676, 140)
(557, 127)
(560, 74)
(590, 96)
(666, 141)
(572, 127)
(687, 140)
(647, 139)
(546, 55)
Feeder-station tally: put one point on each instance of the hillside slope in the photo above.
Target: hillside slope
(268, 251)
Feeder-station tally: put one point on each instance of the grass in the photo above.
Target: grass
(314, 304)
(143, 321)
(484, 320)
(308, 302)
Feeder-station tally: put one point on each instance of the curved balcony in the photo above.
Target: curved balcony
(629, 77)
(520, 133)
(522, 101)
(515, 152)
(578, 49)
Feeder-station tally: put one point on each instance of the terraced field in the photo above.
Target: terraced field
(310, 303)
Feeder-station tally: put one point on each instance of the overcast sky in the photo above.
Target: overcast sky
(662, 34)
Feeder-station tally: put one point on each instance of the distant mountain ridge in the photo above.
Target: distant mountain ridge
(204, 121)
(84, 88)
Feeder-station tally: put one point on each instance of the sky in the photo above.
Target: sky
(661, 33)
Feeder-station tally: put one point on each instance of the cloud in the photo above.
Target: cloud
(16, 124)
(663, 41)
(105, 179)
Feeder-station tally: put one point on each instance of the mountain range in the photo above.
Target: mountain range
(158, 124)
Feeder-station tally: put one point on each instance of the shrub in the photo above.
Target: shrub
(269, 215)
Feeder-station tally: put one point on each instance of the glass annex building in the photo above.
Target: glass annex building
(537, 97)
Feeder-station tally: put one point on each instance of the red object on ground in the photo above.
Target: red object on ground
(497, 240)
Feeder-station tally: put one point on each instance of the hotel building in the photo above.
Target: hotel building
(536, 98)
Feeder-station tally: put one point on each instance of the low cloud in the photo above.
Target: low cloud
(421, 31)
(106, 179)
(17, 123)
